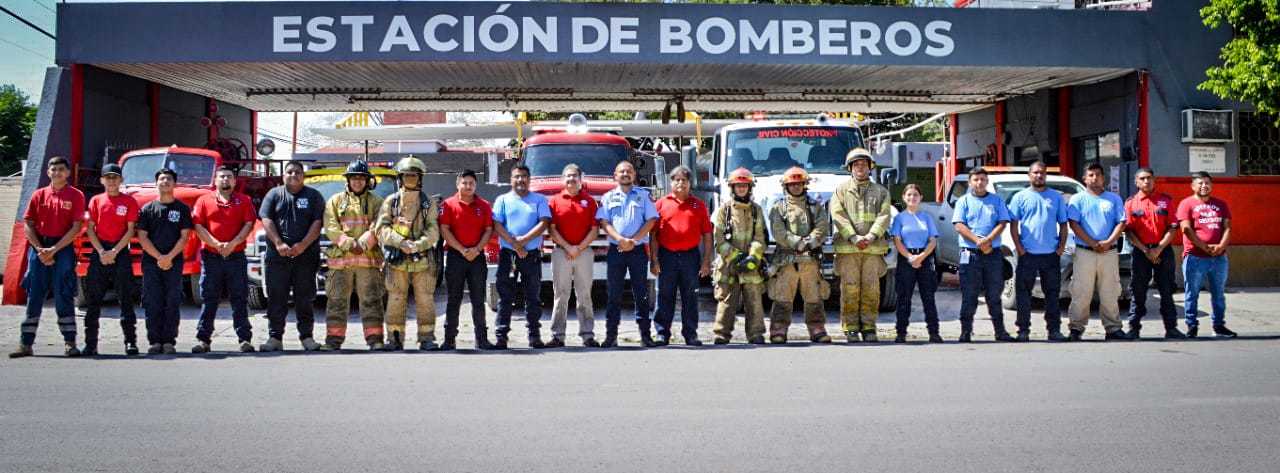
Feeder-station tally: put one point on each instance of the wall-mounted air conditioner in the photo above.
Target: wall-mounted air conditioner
(1208, 126)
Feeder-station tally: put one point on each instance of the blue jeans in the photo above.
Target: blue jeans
(982, 274)
(60, 278)
(621, 264)
(906, 280)
(528, 280)
(1143, 270)
(679, 273)
(216, 275)
(161, 299)
(1049, 269)
(1197, 269)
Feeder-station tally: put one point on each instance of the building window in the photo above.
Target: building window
(1259, 145)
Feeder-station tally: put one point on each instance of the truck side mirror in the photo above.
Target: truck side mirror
(889, 177)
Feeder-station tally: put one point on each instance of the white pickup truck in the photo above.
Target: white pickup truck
(1006, 185)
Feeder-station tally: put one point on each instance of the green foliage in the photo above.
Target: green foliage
(1250, 69)
(17, 119)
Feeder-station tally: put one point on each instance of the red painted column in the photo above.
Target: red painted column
(77, 121)
(1144, 134)
(1000, 119)
(153, 101)
(1066, 150)
(209, 107)
(253, 134)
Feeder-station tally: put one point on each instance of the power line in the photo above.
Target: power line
(28, 23)
(24, 48)
(46, 7)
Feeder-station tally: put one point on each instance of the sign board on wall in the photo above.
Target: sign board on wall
(1211, 159)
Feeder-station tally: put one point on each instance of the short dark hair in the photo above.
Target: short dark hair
(912, 187)
(163, 171)
(1201, 175)
(977, 171)
(1146, 170)
(467, 173)
(1095, 167)
(521, 167)
(228, 168)
(294, 163)
(1038, 162)
(58, 160)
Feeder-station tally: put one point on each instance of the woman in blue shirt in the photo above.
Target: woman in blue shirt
(915, 236)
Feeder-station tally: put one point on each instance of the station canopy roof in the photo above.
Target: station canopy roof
(461, 56)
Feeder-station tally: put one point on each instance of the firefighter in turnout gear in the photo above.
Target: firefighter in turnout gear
(354, 259)
(408, 230)
(799, 226)
(860, 220)
(739, 241)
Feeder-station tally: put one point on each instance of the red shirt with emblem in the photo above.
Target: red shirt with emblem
(681, 224)
(1149, 216)
(53, 212)
(111, 215)
(573, 215)
(467, 221)
(1206, 219)
(223, 218)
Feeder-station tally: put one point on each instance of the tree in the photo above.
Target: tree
(1250, 69)
(17, 119)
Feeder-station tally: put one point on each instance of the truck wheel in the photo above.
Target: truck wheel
(1009, 296)
(257, 298)
(888, 292)
(193, 282)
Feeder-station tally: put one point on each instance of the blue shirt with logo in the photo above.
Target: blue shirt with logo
(627, 212)
(915, 229)
(520, 214)
(981, 215)
(1038, 215)
(1098, 215)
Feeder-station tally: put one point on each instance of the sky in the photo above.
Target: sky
(24, 52)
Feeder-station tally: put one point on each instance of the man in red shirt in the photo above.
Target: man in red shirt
(573, 228)
(466, 223)
(1206, 232)
(52, 220)
(1151, 227)
(683, 234)
(112, 216)
(223, 220)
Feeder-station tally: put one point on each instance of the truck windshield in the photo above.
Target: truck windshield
(1007, 189)
(594, 159)
(192, 169)
(330, 185)
(767, 151)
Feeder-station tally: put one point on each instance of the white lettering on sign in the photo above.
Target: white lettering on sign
(500, 32)
(1212, 159)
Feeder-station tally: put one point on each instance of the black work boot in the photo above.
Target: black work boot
(535, 341)
(646, 339)
(610, 341)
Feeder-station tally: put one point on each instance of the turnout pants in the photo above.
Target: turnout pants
(216, 275)
(635, 264)
(859, 290)
(296, 276)
(679, 275)
(1048, 268)
(813, 292)
(1101, 270)
(981, 274)
(906, 279)
(59, 278)
(572, 276)
(398, 285)
(1143, 271)
(732, 297)
(119, 276)
(368, 285)
(459, 275)
(161, 299)
(522, 275)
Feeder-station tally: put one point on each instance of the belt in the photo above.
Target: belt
(1085, 247)
(915, 251)
(214, 254)
(639, 246)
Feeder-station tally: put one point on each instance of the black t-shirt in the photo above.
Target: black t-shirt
(164, 224)
(293, 215)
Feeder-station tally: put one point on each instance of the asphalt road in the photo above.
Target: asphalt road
(1149, 406)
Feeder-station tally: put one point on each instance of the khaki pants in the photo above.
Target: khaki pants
(814, 291)
(1090, 269)
(734, 296)
(368, 285)
(571, 276)
(424, 290)
(859, 290)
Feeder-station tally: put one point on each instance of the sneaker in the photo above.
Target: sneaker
(1223, 332)
(870, 337)
(901, 338)
(851, 337)
(1056, 336)
(935, 338)
(590, 342)
(71, 350)
(273, 344)
(756, 340)
(820, 338)
(1192, 331)
(1075, 336)
(482, 343)
(246, 347)
(131, 349)
(693, 342)
(535, 341)
(555, 343)
(966, 336)
(662, 341)
(309, 344)
(428, 345)
(1174, 334)
(1135, 333)
(22, 351)
(169, 349)
(155, 349)
(202, 347)
(1024, 336)
(1003, 336)
(610, 341)
(89, 350)
(1117, 335)
(376, 346)
(720, 340)
(778, 339)
(500, 344)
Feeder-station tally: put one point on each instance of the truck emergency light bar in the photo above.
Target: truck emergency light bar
(1018, 169)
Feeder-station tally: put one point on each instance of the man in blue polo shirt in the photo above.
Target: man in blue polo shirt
(1039, 233)
(626, 215)
(520, 217)
(1097, 222)
(979, 218)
